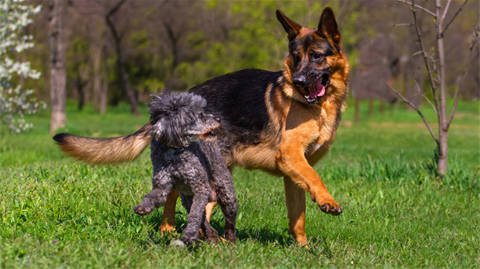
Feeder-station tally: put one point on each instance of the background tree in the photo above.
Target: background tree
(179, 44)
(58, 75)
(436, 67)
(117, 38)
(15, 100)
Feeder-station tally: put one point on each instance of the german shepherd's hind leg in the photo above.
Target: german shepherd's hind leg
(168, 217)
(295, 200)
(209, 209)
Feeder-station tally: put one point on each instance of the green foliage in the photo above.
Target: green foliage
(56, 212)
(258, 40)
(251, 37)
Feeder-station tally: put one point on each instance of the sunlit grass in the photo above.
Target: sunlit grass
(55, 212)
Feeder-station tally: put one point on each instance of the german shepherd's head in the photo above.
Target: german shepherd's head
(316, 66)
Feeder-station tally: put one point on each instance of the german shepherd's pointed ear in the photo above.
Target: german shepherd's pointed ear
(292, 28)
(327, 27)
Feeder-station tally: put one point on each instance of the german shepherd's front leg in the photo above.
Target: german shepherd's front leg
(300, 178)
(291, 160)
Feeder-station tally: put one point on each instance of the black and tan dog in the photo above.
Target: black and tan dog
(281, 122)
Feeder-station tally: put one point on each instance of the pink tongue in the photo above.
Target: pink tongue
(317, 90)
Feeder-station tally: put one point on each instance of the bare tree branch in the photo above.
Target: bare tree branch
(454, 16)
(403, 24)
(445, 10)
(425, 58)
(454, 107)
(120, 59)
(115, 8)
(419, 7)
(414, 107)
(423, 95)
(434, 63)
(109, 22)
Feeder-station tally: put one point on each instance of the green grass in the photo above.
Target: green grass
(55, 212)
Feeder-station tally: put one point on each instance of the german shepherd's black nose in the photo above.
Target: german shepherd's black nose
(299, 80)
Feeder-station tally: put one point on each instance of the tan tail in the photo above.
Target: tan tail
(105, 150)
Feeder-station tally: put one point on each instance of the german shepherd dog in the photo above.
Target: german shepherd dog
(281, 122)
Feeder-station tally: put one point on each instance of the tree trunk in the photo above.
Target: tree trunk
(174, 42)
(120, 61)
(100, 75)
(58, 75)
(442, 110)
(81, 93)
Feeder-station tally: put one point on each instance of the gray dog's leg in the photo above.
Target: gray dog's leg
(196, 215)
(162, 185)
(210, 233)
(228, 204)
(227, 200)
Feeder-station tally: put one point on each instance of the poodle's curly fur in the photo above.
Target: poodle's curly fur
(183, 160)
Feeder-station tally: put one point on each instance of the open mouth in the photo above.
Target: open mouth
(317, 89)
(210, 134)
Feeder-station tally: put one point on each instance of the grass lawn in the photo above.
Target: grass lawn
(55, 212)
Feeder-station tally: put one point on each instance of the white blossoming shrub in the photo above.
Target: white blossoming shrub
(15, 103)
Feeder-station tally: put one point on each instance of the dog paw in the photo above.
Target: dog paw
(331, 208)
(143, 210)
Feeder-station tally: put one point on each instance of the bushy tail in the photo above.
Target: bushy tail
(105, 150)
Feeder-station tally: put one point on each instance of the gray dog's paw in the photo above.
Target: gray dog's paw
(143, 210)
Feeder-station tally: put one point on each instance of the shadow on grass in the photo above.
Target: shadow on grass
(265, 236)
(258, 234)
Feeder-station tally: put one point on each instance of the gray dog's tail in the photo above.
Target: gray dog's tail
(105, 150)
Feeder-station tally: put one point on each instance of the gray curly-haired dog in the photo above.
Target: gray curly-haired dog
(182, 160)
(194, 169)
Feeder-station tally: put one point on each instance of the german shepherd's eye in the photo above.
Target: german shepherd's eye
(316, 55)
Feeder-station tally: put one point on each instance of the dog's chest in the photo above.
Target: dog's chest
(311, 129)
(181, 187)
(187, 170)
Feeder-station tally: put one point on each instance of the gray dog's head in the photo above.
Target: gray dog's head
(178, 119)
